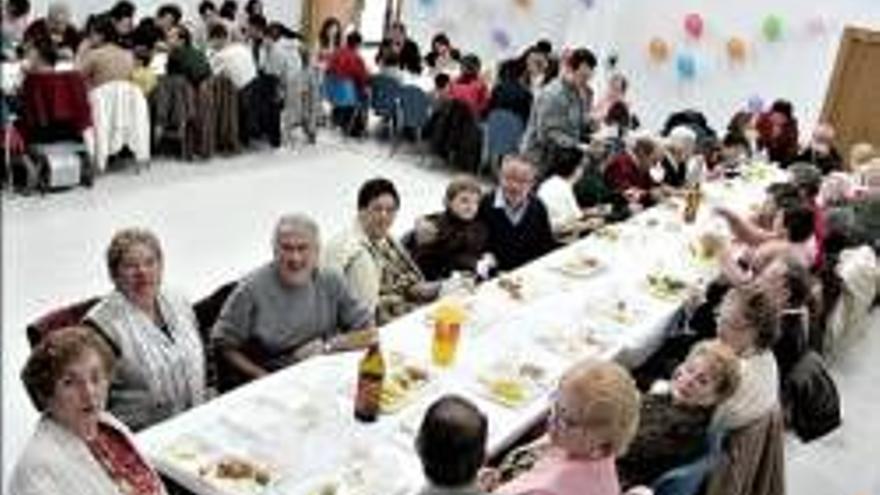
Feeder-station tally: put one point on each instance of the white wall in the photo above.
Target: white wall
(796, 67)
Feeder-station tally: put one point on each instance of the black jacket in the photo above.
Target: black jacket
(516, 245)
(812, 403)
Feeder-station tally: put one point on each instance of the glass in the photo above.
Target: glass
(448, 318)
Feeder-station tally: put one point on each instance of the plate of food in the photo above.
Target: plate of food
(666, 287)
(404, 382)
(513, 383)
(579, 264)
(239, 474)
(610, 233)
(572, 343)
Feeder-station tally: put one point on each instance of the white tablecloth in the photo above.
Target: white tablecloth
(298, 423)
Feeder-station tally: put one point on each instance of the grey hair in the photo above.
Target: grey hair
(299, 223)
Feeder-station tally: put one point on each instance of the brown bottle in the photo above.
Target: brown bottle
(692, 203)
(371, 372)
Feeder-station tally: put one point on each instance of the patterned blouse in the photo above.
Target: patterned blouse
(123, 464)
(399, 276)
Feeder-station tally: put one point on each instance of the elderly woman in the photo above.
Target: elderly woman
(162, 363)
(380, 271)
(57, 28)
(675, 415)
(77, 446)
(592, 421)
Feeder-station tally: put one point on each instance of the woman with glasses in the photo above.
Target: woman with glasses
(593, 418)
(377, 267)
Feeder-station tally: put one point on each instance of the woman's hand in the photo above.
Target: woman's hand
(488, 479)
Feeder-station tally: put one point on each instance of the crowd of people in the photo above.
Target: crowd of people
(140, 355)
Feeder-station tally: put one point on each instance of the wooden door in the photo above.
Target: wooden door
(316, 11)
(852, 104)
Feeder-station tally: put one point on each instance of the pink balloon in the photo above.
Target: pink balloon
(693, 25)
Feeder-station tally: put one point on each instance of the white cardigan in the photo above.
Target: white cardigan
(56, 462)
(348, 253)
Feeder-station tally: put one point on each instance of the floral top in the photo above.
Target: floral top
(399, 276)
(123, 464)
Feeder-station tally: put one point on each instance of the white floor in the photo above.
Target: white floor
(215, 220)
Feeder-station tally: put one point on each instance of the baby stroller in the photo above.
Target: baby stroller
(55, 115)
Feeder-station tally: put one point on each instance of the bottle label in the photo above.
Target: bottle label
(369, 391)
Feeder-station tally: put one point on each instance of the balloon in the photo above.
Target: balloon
(658, 49)
(772, 27)
(736, 49)
(523, 4)
(693, 25)
(686, 66)
(501, 38)
(755, 104)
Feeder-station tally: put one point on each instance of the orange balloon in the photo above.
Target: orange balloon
(658, 49)
(736, 49)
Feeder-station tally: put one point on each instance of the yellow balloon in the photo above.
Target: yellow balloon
(658, 49)
(736, 49)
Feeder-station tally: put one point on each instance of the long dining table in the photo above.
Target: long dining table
(608, 296)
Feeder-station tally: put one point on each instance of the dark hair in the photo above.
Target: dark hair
(147, 33)
(784, 194)
(441, 80)
(470, 67)
(218, 31)
(760, 313)
(353, 40)
(172, 10)
(735, 138)
(374, 188)
(512, 69)
(797, 283)
(258, 21)
(103, 25)
(784, 107)
(579, 57)
(46, 50)
(618, 114)
(324, 34)
(17, 8)
(739, 121)
(441, 39)
(205, 6)
(386, 56)
(228, 9)
(250, 8)
(121, 10)
(451, 442)
(544, 46)
(278, 30)
(184, 34)
(564, 160)
(55, 352)
(799, 222)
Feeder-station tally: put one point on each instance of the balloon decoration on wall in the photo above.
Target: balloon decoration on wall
(755, 104)
(693, 25)
(501, 38)
(523, 4)
(658, 49)
(736, 49)
(686, 66)
(772, 27)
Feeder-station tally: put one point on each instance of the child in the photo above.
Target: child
(451, 240)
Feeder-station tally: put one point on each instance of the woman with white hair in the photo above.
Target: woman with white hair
(681, 164)
(56, 28)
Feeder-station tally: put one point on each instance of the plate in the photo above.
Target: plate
(367, 470)
(513, 384)
(666, 287)
(579, 265)
(572, 343)
(404, 381)
(238, 473)
(609, 233)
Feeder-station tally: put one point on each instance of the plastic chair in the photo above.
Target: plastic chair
(415, 110)
(689, 478)
(59, 318)
(384, 97)
(343, 97)
(504, 130)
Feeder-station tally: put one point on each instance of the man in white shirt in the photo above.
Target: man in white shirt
(230, 58)
(567, 220)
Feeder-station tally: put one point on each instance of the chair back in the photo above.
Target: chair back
(752, 460)
(121, 118)
(415, 107)
(59, 318)
(690, 478)
(504, 130)
(340, 92)
(384, 95)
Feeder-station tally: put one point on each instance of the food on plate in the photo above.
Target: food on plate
(513, 286)
(400, 385)
(708, 246)
(608, 232)
(665, 286)
(580, 265)
(513, 384)
(571, 343)
(235, 468)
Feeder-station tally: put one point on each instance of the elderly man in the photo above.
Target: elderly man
(57, 28)
(559, 115)
(288, 309)
(517, 221)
